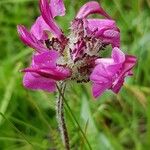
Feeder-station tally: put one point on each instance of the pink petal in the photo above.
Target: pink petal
(58, 73)
(110, 73)
(102, 80)
(112, 64)
(125, 71)
(99, 89)
(57, 8)
(39, 29)
(104, 61)
(30, 40)
(109, 35)
(100, 74)
(112, 36)
(36, 82)
(118, 59)
(94, 24)
(117, 86)
(104, 29)
(48, 18)
(130, 62)
(117, 55)
(47, 59)
(91, 8)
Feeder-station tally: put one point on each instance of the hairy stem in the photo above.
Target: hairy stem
(61, 118)
(73, 116)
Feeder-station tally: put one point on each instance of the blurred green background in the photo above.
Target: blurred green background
(114, 122)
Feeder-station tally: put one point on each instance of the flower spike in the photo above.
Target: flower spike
(76, 57)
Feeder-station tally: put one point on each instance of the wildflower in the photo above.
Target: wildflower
(109, 73)
(77, 56)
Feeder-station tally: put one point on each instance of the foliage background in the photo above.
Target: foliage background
(114, 122)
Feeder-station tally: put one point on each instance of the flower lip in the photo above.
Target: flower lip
(47, 59)
(91, 8)
(34, 82)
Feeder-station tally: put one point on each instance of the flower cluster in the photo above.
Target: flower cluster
(77, 56)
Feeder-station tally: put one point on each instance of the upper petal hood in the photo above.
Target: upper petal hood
(57, 8)
(30, 40)
(94, 24)
(104, 29)
(91, 8)
(39, 29)
(47, 15)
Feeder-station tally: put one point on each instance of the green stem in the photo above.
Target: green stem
(61, 118)
(65, 101)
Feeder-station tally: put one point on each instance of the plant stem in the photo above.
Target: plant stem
(61, 118)
(73, 116)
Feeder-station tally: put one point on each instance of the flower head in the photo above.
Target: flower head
(76, 56)
(110, 73)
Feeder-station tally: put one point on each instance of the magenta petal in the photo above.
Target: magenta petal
(104, 29)
(57, 8)
(100, 74)
(112, 64)
(112, 36)
(45, 65)
(62, 72)
(47, 59)
(36, 82)
(94, 24)
(99, 89)
(125, 71)
(130, 62)
(117, 86)
(91, 8)
(48, 18)
(109, 35)
(58, 73)
(30, 39)
(39, 29)
(110, 73)
(101, 80)
(117, 55)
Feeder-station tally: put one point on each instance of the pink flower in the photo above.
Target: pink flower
(44, 72)
(110, 73)
(74, 57)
